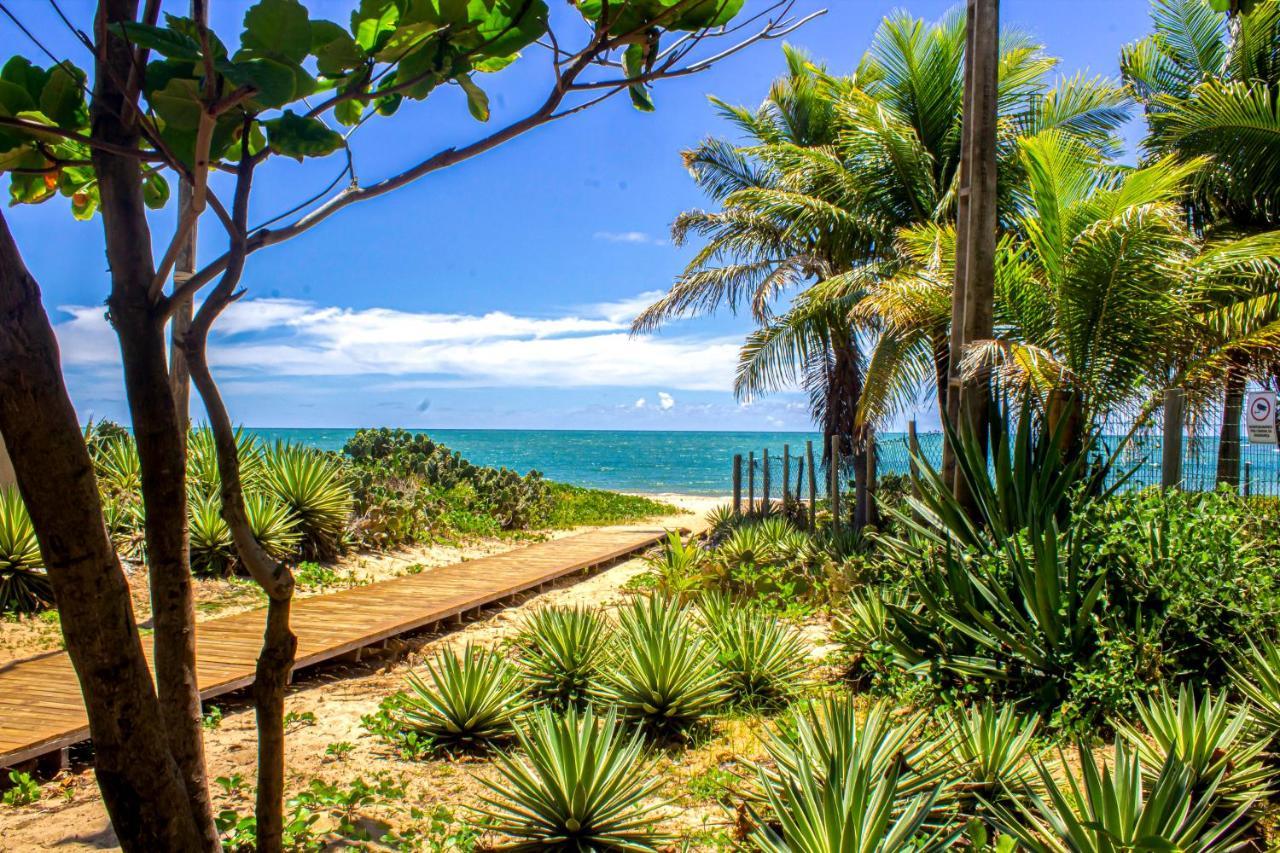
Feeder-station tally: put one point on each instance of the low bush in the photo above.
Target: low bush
(465, 702)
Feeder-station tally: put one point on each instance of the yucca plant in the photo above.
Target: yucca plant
(124, 522)
(582, 784)
(1257, 677)
(1110, 809)
(762, 657)
(680, 567)
(118, 467)
(465, 702)
(721, 520)
(311, 485)
(272, 524)
(1210, 736)
(986, 751)
(213, 551)
(562, 651)
(662, 672)
(24, 586)
(748, 545)
(202, 461)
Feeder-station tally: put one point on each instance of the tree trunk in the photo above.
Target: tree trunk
(275, 663)
(1228, 472)
(161, 440)
(142, 787)
(1065, 412)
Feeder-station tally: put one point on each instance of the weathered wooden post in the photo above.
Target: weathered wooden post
(834, 484)
(751, 482)
(1248, 479)
(786, 475)
(813, 485)
(1171, 443)
(737, 484)
(764, 483)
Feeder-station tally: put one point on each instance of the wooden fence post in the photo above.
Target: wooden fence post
(1248, 479)
(737, 484)
(834, 484)
(751, 482)
(813, 485)
(786, 475)
(1171, 443)
(764, 483)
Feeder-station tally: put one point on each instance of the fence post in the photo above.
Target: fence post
(1171, 442)
(751, 482)
(737, 484)
(813, 485)
(834, 484)
(1248, 479)
(786, 475)
(764, 483)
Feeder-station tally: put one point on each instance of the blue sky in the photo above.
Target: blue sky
(495, 293)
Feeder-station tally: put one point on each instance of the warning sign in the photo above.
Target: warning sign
(1260, 417)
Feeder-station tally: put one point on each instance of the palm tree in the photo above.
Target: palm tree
(1209, 84)
(835, 167)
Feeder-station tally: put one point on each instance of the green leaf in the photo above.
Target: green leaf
(335, 51)
(477, 100)
(348, 112)
(273, 80)
(373, 21)
(162, 40)
(14, 99)
(404, 38)
(278, 27)
(155, 191)
(418, 65)
(187, 27)
(633, 65)
(496, 63)
(511, 26)
(161, 71)
(178, 103)
(298, 136)
(30, 78)
(63, 98)
(708, 13)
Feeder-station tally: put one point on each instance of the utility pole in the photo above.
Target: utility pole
(968, 400)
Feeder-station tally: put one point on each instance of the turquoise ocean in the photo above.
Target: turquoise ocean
(700, 463)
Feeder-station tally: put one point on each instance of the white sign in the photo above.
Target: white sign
(1260, 417)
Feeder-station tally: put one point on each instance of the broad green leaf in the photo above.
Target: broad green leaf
(335, 51)
(298, 136)
(162, 40)
(84, 205)
(155, 191)
(405, 38)
(511, 26)
(445, 12)
(14, 99)
(178, 104)
(708, 13)
(388, 104)
(28, 188)
(187, 27)
(63, 97)
(633, 62)
(31, 78)
(161, 71)
(348, 112)
(495, 63)
(373, 21)
(477, 100)
(273, 80)
(421, 65)
(278, 27)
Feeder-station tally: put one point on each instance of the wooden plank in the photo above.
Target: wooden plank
(42, 711)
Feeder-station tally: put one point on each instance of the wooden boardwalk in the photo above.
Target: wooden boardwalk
(41, 710)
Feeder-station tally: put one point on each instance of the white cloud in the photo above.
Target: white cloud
(641, 403)
(623, 311)
(635, 237)
(275, 338)
(666, 401)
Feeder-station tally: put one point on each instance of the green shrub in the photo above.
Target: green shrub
(469, 702)
(562, 651)
(662, 672)
(24, 585)
(1257, 678)
(213, 552)
(575, 506)
(581, 784)
(763, 658)
(118, 467)
(124, 520)
(679, 568)
(311, 485)
(202, 461)
(986, 750)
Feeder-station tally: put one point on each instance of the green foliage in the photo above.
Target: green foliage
(764, 659)
(23, 790)
(575, 506)
(212, 549)
(469, 702)
(1257, 678)
(24, 585)
(679, 567)
(562, 651)
(580, 784)
(987, 749)
(662, 673)
(311, 485)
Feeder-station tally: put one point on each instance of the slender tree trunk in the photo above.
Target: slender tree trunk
(1065, 412)
(275, 663)
(140, 327)
(1228, 472)
(142, 787)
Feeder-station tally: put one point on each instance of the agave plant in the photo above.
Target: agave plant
(124, 525)
(118, 467)
(680, 568)
(662, 673)
(1209, 736)
(582, 784)
(311, 485)
(721, 520)
(1111, 809)
(1258, 680)
(763, 658)
(747, 545)
(272, 524)
(836, 782)
(202, 461)
(24, 586)
(987, 750)
(213, 551)
(470, 701)
(562, 651)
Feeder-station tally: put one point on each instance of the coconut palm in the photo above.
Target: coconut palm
(1208, 82)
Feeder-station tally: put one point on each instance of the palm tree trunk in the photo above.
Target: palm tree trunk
(1229, 437)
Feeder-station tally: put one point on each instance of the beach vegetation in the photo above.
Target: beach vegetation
(24, 583)
(562, 651)
(763, 658)
(466, 701)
